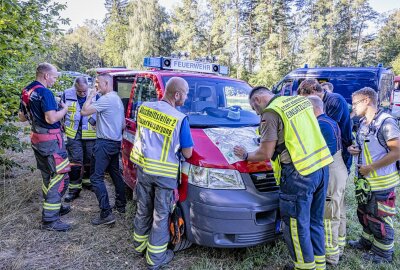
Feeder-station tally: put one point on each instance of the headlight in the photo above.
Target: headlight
(215, 178)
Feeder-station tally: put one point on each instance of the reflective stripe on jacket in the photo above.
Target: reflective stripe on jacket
(303, 137)
(73, 117)
(157, 139)
(373, 150)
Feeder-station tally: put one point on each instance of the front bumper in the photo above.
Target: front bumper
(231, 218)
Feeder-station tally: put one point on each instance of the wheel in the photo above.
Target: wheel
(184, 244)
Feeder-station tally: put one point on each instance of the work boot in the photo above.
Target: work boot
(87, 186)
(57, 225)
(375, 258)
(65, 209)
(120, 209)
(110, 219)
(71, 196)
(168, 258)
(359, 244)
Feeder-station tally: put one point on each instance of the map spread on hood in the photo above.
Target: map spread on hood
(226, 138)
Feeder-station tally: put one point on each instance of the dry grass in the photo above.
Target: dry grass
(23, 245)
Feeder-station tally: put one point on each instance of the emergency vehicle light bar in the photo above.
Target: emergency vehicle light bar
(170, 63)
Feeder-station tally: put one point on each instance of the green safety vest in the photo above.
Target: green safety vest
(302, 135)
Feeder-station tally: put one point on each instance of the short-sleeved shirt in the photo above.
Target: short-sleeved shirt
(41, 100)
(388, 131)
(331, 133)
(185, 137)
(336, 107)
(272, 129)
(110, 117)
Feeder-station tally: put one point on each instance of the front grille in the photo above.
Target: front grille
(252, 238)
(264, 181)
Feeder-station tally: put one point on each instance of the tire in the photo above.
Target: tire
(184, 244)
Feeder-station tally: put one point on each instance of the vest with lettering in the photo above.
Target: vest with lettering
(302, 135)
(157, 139)
(73, 117)
(372, 150)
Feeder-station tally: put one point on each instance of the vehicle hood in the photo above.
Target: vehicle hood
(213, 148)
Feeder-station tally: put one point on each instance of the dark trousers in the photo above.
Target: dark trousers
(301, 202)
(79, 154)
(106, 158)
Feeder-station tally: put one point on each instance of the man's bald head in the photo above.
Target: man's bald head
(176, 85)
(176, 91)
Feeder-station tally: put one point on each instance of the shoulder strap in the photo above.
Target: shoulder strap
(383, 143)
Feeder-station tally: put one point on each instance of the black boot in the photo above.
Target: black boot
(71, 196)
(65, 209)
(360, 244)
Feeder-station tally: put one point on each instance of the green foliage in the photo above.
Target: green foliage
(26, 28)
(148, 32)
(115, 32)
(396, 65)
(63, 82)
(80, 49)
(389, 39)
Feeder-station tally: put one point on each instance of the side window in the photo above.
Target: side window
(385, 90)
(144, 91)
(284, 88)
(123, 87)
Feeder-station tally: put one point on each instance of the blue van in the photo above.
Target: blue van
(345, 80)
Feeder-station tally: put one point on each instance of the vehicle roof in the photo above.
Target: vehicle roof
(322, 70)
(125, 73)
(187, 74)
(108, 69)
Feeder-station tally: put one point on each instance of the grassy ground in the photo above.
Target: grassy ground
(24, 246)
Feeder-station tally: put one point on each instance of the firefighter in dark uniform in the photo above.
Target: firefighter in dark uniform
(81, 136)
(39, 107)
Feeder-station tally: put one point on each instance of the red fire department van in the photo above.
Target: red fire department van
(226, 202)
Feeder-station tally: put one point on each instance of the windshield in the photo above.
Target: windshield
(217, 102)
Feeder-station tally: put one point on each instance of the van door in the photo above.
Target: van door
(123, 86)
(385, 90)
(143, 90)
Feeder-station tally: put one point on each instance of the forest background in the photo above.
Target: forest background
(260, 40)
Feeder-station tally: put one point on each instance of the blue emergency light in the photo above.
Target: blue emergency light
(169, 63)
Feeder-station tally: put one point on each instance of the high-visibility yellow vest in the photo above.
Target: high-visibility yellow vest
(73, 117)
(302, 135)
(157, 139)
(372, 150)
